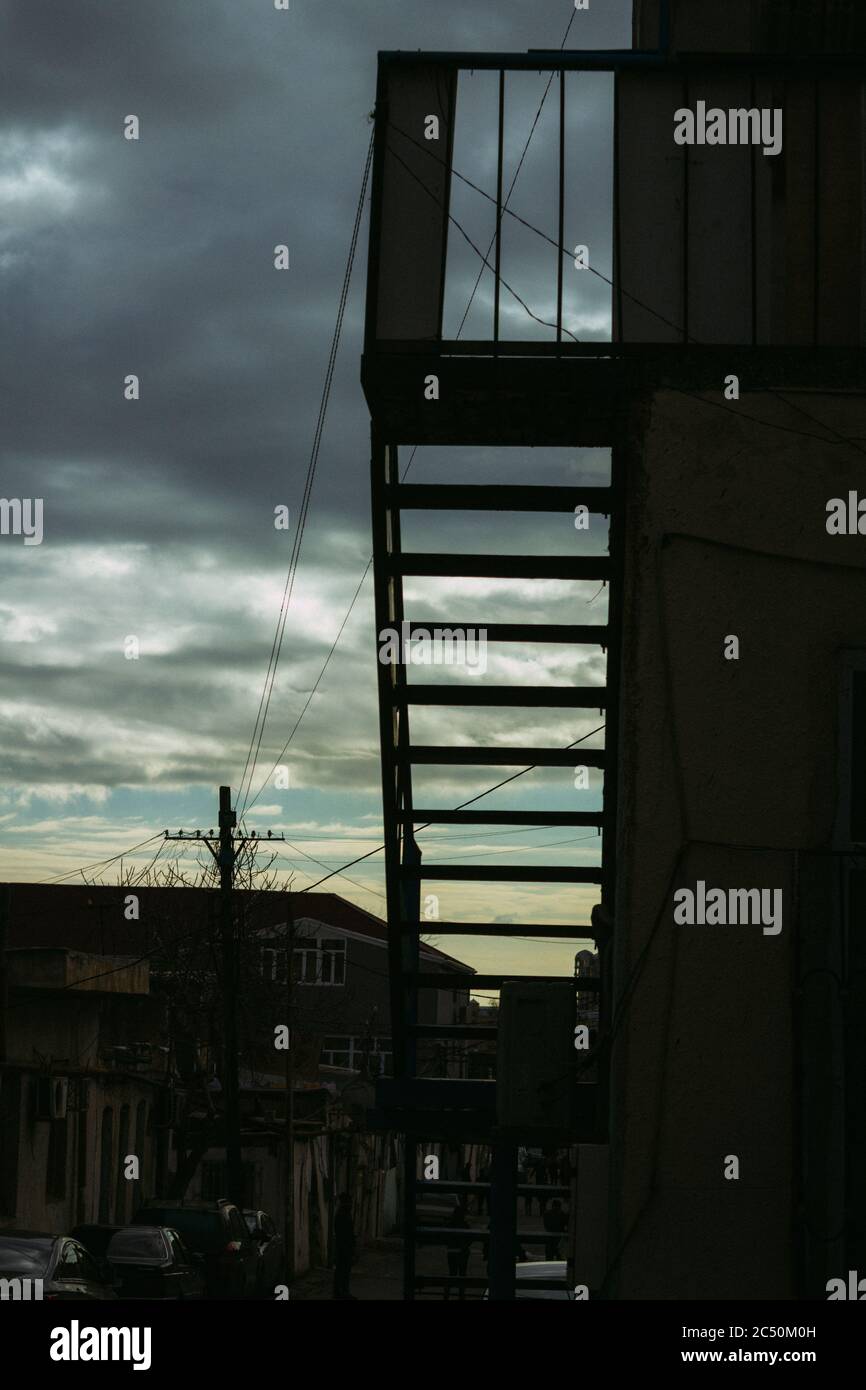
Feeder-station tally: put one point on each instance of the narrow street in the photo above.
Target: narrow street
(378, 1273)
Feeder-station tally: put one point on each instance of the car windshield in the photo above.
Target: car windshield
(94, 1238)
(133, 1244)
(27, 1257)
(200, 1230)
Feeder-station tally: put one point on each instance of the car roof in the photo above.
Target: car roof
(173, 1204)
(43, 1236)
(139, 1227)
(541, 1269)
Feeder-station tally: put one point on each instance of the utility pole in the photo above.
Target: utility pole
(5, 901)
(224, 849)
(290, 1098)
(229, 945)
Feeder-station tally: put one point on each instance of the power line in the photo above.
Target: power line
(510, 849)
(545, 323)
(503, 783)
(415, 448)
(520, 849)
(434, 840)
(768, 424)
(520, 162)
(100, 863)
(337, 872)
(276, 645)
(252, 803)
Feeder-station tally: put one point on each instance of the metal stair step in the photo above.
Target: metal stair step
(527, 818)
(557, 930)
(496, 497)
(506, 873)
(504, 757)
(529, 696)
(499, 566)
(576, 634)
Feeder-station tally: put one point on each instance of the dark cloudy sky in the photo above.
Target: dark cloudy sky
(155, 257)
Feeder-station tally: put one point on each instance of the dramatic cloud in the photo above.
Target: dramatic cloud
(155, 258)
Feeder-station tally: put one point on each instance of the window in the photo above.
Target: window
(315, 963)
(203, 1230)
(123, 1185)
(337, 1052)
(105, 1172)
(87, 1268)
(69, 1266)
(136, 1243)
(323, 963)
(140, 1144)
(274, 965)
(55, 1176)
(177, 1247)
(349, 1053)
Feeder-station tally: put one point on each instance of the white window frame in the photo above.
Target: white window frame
(326, 953)
(355, 1046)
(274, 964)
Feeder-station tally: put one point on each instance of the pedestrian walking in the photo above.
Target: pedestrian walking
(555, 1223)
(344, 1247)
(466, 1176)
(523, 1177)
(484, 1197)
(541, 1179)
(457, 1250)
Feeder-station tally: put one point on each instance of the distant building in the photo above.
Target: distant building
(106, 1060)
(84, 1085)
(586, 966)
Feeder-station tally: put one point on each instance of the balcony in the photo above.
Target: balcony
(525, 290)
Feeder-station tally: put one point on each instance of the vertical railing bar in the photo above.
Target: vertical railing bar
(685, 243)
(616, 306)
(500, 158)
(754, 229)
(561, 238)
(816, 218)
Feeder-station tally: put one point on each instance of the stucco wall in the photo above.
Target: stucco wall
(737, 753)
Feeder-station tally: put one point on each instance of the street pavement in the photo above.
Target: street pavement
(377, 1274)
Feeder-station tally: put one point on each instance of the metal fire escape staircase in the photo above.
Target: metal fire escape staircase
(493, 393)
(447, 1108)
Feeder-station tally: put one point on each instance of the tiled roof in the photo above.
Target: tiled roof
(87, 918)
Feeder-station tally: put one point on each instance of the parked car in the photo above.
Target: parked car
(541, 1269)
(95, 1238)
(271, 1250)
(65, 1268)
(153, 1262)
(215, 1230)
(436, 1208)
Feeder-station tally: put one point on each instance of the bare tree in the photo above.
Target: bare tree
(183, 945)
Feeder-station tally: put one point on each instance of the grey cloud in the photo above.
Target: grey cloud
(156, 258)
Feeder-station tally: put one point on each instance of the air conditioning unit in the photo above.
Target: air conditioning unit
(52, 1097)
(535, 1055)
